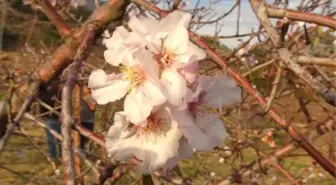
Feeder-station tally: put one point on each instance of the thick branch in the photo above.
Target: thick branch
(102, 16)
(67, 120)
(54, 17)
(301, 16)
(316, 60)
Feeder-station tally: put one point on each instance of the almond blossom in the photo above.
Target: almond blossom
(153, 144)
(121, 46)
(165, 115)
(169, 40)
(204, 129)
(139, 80)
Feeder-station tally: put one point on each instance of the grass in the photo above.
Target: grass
(25, 162)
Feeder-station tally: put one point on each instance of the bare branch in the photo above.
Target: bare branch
(67, 120)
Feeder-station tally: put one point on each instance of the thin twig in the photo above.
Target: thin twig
(3, 22)
(15, 122)
(275, 87)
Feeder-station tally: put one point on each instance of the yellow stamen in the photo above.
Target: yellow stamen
(134, 74)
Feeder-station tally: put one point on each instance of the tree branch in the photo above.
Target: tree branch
(67, 120)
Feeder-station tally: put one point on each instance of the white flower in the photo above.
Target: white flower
(169, 40)
(204, 129)
(221, 160)
(139, 80)
(121, 46)
(153, 144)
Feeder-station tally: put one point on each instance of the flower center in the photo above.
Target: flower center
(134, 74)
(165, 58)
(194, 108)
(153, 126)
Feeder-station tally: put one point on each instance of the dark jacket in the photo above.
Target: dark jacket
(46, 95)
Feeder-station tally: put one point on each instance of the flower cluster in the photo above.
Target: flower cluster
(166, 113)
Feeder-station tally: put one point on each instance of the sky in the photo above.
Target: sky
(248, 19)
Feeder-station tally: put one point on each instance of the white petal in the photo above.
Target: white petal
(147, 63)
(98, 78)
(116, 40)
(119, 125)
(137, 107)
(177, 41)
(153, 93)
(105, 89)
(114, 57)
(194, 53)
(175, 86)
(175, 19)
(143, 25)
(116, 137)
(154, 150)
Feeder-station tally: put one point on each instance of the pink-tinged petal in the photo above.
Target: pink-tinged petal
(137, 107)
(212, 126)
(206, 82)
(188, 98)
(196, 137)
(223, 93)
(190, 71)
(191, 67)
(185, 152)
(106, 88)
(147, 63)
(175, 87)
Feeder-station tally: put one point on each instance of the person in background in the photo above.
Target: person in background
(88, 106)
(48, 95)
